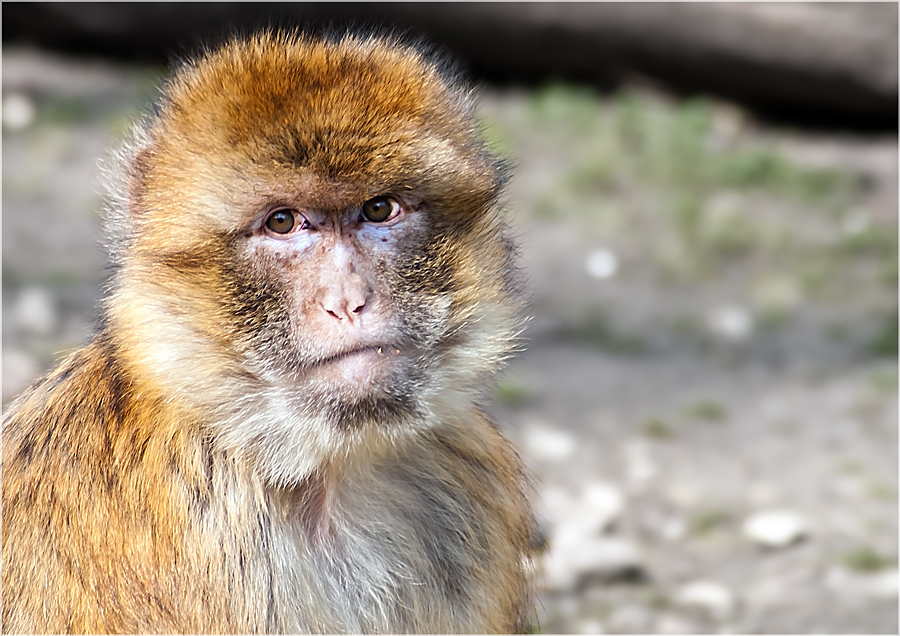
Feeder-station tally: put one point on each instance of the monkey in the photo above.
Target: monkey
(279, 424)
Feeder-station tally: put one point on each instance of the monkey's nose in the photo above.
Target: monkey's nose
(343, 313)
(345, 304)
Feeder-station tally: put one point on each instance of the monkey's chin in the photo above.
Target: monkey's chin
(369, 386)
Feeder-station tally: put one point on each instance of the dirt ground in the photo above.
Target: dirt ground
(707, 395)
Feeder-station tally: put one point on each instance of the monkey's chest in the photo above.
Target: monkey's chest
(369, 562)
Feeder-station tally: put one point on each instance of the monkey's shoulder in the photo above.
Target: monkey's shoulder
(82, 390)
(75, 424)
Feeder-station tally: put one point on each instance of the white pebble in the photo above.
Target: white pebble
(709, 596)
(549, 444)
(836, 578)
(682, 493)
(673, 529)
(671, 624)
(568, 563)
(763, 494)
(602, 502)
(568, 607)
(34, 312)
(730, 322)
(850, 486)
(578, 518)
(589, 626)
(602, 264)
(18, 111)
(630, 618)
(639, 465)
(885, 584)
(775, 529)
(607, 557)
(769, 592)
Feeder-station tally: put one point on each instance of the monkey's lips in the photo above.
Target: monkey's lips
(358, 365)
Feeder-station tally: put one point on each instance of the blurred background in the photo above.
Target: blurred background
(706, 198)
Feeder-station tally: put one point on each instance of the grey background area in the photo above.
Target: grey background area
(707, 398)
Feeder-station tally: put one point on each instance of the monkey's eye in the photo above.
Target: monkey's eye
(281, 221)
(380, 209)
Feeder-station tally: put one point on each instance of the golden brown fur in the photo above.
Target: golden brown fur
(190, 470)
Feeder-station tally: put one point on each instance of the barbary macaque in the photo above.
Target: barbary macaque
(276, 427)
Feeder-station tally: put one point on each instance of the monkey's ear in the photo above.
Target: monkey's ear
(136, 180)
(124, 173)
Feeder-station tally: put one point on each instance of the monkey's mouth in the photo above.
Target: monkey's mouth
(374, 351)
(358, 366)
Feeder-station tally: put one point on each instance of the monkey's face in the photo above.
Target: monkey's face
(337, 306)
(311, 227)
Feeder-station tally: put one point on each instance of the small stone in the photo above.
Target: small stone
(849, 486)
(730, 322)
(602, 503)
(630, 618)
(848, 523)
(836, 578)
(883, 584)
(763, 494)
(768, 592)
(671, 624)
(577, 521)
(607, 558)
(602, 264)
(775, 529)
(557, 572)
(639, 466)
(708, 596)
(34, 311)
(572, 530)
(682, 494)
(567, 608)
(673, 529)
(588, 626)
(549, 444)
(571, 563)
(18, 111)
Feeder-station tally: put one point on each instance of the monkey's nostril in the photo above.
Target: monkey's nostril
(359, 309)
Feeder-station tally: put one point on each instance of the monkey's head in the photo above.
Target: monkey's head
(311, 258)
